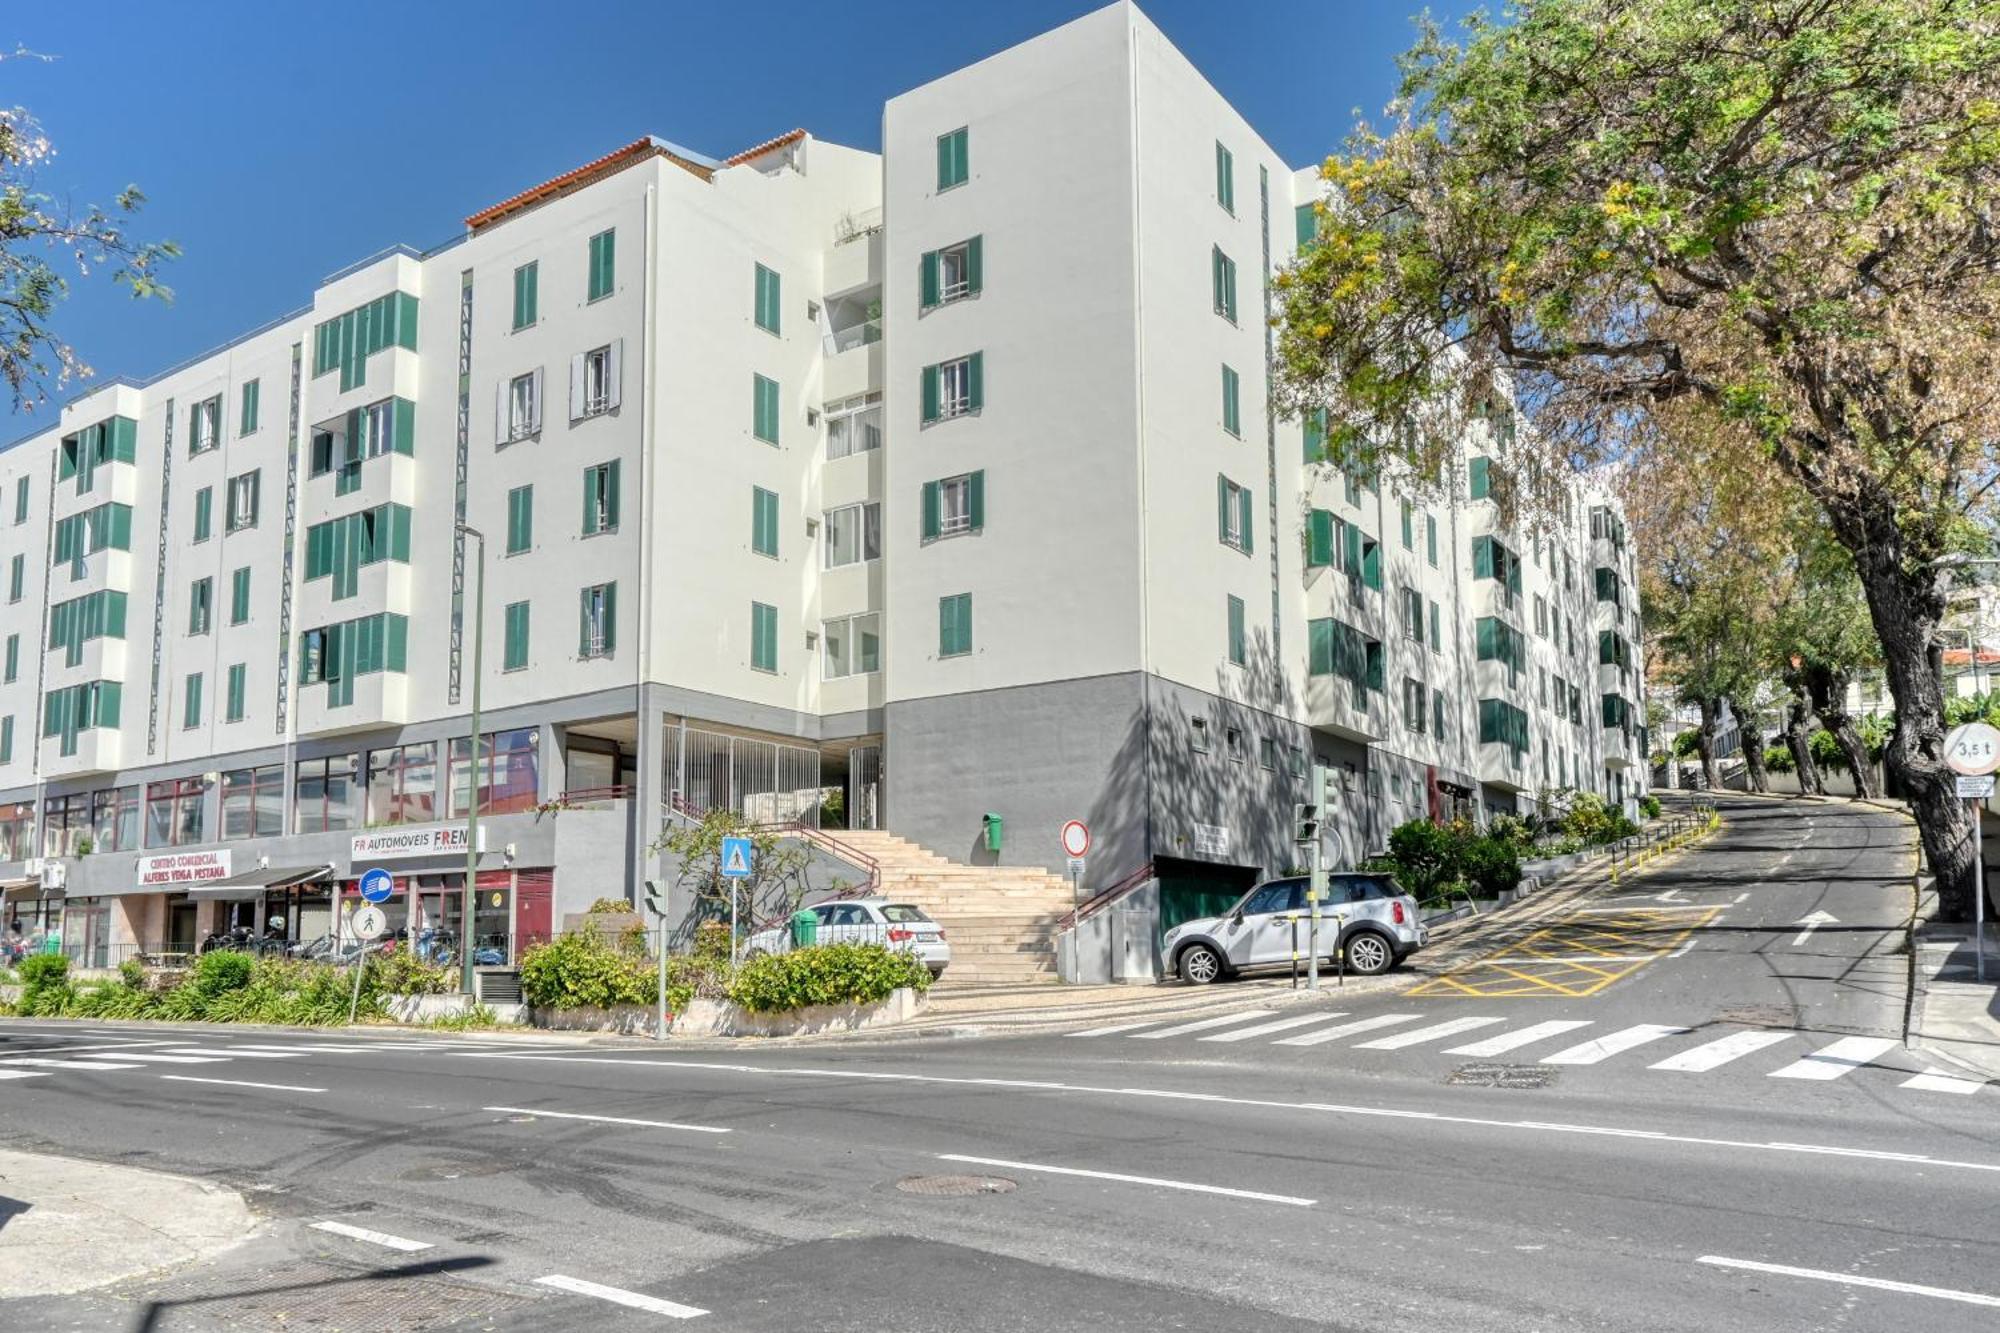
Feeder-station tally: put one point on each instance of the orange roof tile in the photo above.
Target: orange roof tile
(789, 136)
(631, 154)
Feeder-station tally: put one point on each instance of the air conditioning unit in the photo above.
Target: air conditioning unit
(55, 875)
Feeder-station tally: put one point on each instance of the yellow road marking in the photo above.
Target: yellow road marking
(1548, 961)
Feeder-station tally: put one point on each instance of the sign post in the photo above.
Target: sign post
(1316, 884)
(367, 925)
(377, 884)
(1973, 752)
(1076, 846)
(737, 854)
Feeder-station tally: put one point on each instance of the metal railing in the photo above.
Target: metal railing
(1105, 897)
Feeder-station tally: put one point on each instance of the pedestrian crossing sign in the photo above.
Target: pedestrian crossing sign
(736, 858)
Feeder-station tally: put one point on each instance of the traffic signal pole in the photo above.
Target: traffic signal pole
(1316, 886)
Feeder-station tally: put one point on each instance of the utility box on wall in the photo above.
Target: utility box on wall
(991, 824)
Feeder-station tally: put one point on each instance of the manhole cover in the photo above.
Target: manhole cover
(1759, 1016)
(1502, 1076)
(955, 1185)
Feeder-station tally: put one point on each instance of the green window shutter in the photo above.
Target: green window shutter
(611, 492)
(952, 161)
(524, 294)
(975, 499)
(191, 702)
(399, 532)
(945, 178)
(955, 625)
(1482, 557)
(767, 300)
(763, 636)
(764, 409)
(930, 393)
(1243, 518)
(603, 263)
(515, 652)
(1305, 225)
(7, 739)
(974, 266)
(233, 706)
(610, 617)
(520, 519)
(1431, 538)
(1371, 565)
(1481, 477)
(248, 423)
(204, 513)
(239, 596)
(1319, 539)
(1437, 643)
(927, 280)
(1409, 528)
(1353, 561)
(404, 416)
(1315, 433)
(975, 381)
(930, 511)
(1232, 420)
(589, 501)
(1225, 179)
(1237, 653)
(763, 521)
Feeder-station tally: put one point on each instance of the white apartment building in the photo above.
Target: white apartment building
(933, 491)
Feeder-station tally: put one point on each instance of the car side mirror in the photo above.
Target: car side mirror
(1236, 917)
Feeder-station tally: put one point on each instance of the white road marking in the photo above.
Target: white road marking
(168, 1058)
(382, 1238)
(1347, 1029)
(1603, 1048)
(1508, 1041)
(1842, 1057)
(240, 1083)
(236, 1052)
(22, 1073)
(619, 1296)
(70, 1064)
(1323, 1108)
(1265, 1029)
(1670, 896)
(308, 1050)
(1942, 1083)
(1813, 921)
(1742, 898)
(1853, 1280)
(1155, 1181)
(608, 1119)
(1435, 1032)
(1720, 1052)
(73, 1048)
(1204, 1024)
(1116, 1028)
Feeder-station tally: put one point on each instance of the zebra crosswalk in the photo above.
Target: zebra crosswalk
(161, 1055)
(1588, 1042)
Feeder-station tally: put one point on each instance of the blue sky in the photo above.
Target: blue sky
(278, 142)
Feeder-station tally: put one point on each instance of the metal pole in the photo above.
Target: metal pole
(1978, 896)
(1316, 885)
(660, 1020)
(732, 923)
(467, 897)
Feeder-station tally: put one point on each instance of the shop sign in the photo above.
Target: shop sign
(176, 869)
(412, 840)
(1211, 840)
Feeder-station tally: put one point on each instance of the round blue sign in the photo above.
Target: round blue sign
(377, 885)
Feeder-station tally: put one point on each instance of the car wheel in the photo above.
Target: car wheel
(1369, 953)
(1200, 965)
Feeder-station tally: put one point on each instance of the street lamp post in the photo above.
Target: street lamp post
(468, 898)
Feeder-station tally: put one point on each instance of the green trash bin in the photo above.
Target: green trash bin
(805, 928)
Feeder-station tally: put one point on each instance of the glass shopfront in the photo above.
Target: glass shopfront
(426, 911)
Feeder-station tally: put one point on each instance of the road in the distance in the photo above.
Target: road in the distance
(1176, 1182)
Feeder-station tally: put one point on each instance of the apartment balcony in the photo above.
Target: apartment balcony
(385, 478)
(378, 698)
(116, 481)
(390, 372)
(852, 343)
(97, 750)
(1504, 767)
(1620, 750)
(102, 658)
(383, 585)
(1341, 708)
(109, 570)
(855, 257)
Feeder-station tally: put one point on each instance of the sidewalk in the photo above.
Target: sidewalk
(68, 1225)
(1952, 1016)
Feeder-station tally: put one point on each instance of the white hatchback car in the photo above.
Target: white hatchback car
(1367, 914)
(867, 921)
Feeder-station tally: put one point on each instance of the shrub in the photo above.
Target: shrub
(1426, 856)
(1649, 805)
(1493, 863)
(711, 941)
(133, 973)
(608, 907)
(1778, 759)
(45, 987)
(826, 974)
(401, 972)
(221, 970)
(584, 970)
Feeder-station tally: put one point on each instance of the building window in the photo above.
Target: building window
(603, 264)
(114, 819)
(1416, 704)
(950, 274)
(955, 625)
(598, 632)
(764, 524)
(13, 670)
(200, 595)
(241, 511)
(1198, 734)
(1225, 179)
(954, 388)
(174, 812)
(764, 408)
(1267, 752)
(247, 420)
(600, 498)
(509, 772)
(768, 300)
(1232, 742)
(1437, 713)
(204, 510)
(1239, 649)
(1413, 615)
(7, 739)
(1232, 512)
(853, 646)
(205, 425)
(1437, 640)
(853, 425)
(853, 534)
(235, 687)
(253, 802)
(239, 596)
(323, 794)
(1431, 539)
(191, 701)
(954, 506)
(514, 656)
(952, 165)
(1409, 528)
(17, 577)
(763, 637)
(520, 519)
(1480, 473)
(21, 500)
(593, 381)
(402, 784)
(527, 281)
(1232, 411)
(1222, 278)
(522, 411)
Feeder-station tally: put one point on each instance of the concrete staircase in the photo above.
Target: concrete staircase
(999, 920)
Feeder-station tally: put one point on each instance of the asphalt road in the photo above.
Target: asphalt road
(1680, 1110)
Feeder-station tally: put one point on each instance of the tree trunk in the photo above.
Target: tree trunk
(1753, 748)
(1905, 607)
(1704, 741)
(1798, 738)
(1829, 695)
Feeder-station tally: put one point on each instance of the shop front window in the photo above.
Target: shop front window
(402, 784)
(114, 819)
(66, 831)
(17, 828)
(325, 792)
(253, 802)
(174, 813)
(509, 772)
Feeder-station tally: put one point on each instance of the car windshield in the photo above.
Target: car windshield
(903, 912)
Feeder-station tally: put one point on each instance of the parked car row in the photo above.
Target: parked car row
(1367, 915)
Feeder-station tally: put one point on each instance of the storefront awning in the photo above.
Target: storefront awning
(247, 886)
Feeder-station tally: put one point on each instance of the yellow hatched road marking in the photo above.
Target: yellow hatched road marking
(1552, 960)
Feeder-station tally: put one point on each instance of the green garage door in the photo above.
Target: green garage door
(1190, 889)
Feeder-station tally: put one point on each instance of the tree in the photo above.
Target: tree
(1825, 637)
(35, 226)
(1780, 210)
(776, 886)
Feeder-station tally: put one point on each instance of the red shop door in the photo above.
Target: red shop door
(534, 901)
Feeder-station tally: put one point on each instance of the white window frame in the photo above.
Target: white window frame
(522, 413)
(1417, 717)
(955, 388)
(1413, 615)
(596, 603)
(955, 505)
(848, 630)
(954, 289)
(849, 419)
(868, 516)
(1232, 527)
(238, 515)
(378, 424)
(597, 381)
(207, 425)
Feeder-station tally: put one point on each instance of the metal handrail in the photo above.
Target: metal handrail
(1105, 897)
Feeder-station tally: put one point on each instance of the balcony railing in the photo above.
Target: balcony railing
(853, 336)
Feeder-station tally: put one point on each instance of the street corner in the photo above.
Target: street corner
(68, 1225)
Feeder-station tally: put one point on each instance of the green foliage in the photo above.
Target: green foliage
(472, 1016)
(777, 881)
(133, 973)
(585, 971)
(1686, 743)
(220, 971)
(826, 974)
(1591, 822)
(1427, 859)
(1778, 759)
(1649, 806)
(45, 985)
(243, 991)
(608, 907)
(401, 972)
